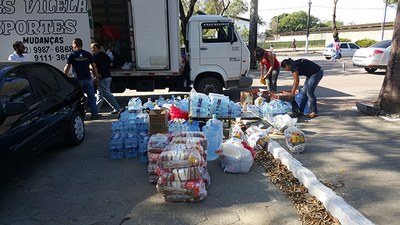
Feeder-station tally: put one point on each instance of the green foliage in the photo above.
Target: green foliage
(365, 42)
(292, 22)
(329, 23)
(344, 40)
(216, 7)
(244, 32)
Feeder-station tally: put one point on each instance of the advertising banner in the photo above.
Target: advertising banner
(46, 27)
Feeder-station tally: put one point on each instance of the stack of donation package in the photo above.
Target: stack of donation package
(182, 167)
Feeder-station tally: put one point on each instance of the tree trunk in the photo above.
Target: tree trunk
(334, 27)
(253, 31)
(185, 18)
(389, 96)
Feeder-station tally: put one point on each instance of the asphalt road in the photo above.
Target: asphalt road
(82, 185)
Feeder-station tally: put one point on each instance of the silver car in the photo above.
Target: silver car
(347, 49)
(373, 57)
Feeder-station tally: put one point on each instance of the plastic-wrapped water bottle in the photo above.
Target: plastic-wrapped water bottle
(130, 146)
(149, 104)
(143, 140)
(116, 146)
(160, 101)
(184, 104)
(135, 105)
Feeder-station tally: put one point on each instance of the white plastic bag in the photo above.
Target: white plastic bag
(295, 139)
(234, 157)
(281, 122)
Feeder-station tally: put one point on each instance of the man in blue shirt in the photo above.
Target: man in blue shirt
(81, 61)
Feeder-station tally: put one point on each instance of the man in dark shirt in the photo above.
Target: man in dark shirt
(81, 61)
(314, 74)
(103, 63)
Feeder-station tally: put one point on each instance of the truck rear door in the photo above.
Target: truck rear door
(220, 46)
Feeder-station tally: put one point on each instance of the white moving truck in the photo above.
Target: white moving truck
(214, 56)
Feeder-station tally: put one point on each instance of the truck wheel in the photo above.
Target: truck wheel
(209, 85)
(76, 132)
(327, 57)
(369, 70)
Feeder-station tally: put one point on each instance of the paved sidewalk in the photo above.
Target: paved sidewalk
(354, 154)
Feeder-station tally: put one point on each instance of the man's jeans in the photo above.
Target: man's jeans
(105, 94)
(88, 88)
(310, 84)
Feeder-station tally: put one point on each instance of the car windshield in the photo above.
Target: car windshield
(329, 46)
(381, 44)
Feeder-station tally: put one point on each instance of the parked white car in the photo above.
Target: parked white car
(373, 57)
(347, 49)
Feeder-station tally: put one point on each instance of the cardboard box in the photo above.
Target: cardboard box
(158, 121)
(250, 95)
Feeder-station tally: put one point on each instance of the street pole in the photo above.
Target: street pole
(384, 21)
(308, 25)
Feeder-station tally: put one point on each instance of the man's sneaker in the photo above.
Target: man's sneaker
(96, 116)
(114, 112)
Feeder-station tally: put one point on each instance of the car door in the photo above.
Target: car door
(50, 97)
(353, 49)
(344, 49)
(217, 50)
(16, 130)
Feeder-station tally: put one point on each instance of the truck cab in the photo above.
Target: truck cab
(217, 54)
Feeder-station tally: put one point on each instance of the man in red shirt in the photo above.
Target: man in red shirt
(109, 36)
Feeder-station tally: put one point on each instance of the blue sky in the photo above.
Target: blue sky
(348, 11)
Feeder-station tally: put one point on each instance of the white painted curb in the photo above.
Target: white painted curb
(336, 205)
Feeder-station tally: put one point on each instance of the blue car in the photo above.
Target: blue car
(39, 106)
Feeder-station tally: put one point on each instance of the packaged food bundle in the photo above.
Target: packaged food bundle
(190, 141)
(177, 158)
(184, 146)
(252, 129)
(153, 157)
(258, 140)
(186, 191)
(236, 131)
(187, 134)
(157, 142)
(235, 158)
(179, 174)
(295, 139)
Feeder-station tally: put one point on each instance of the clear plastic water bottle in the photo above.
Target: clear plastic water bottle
(184, 104)
(193, 125)
(135, 105)
(160, 101)
(149, 104)
(214, 134)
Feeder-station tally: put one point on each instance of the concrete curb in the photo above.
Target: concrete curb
(335, 204)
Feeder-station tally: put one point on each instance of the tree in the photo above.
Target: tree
(292, 22)
(334, 26)
(231, 8)
(391, 2)
(389, 96)
(253, 31)
(184, 5)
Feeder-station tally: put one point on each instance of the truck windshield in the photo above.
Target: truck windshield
(217, 32)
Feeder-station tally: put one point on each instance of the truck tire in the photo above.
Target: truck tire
(209, 85)
(76, 129)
